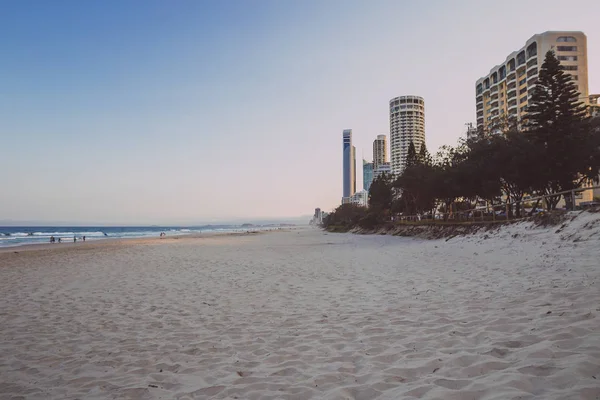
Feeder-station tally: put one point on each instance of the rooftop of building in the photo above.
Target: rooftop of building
(527, 43)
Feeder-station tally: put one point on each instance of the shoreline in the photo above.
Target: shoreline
(114, 242)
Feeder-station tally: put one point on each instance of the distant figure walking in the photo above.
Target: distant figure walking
(84, 238)
(74, 239)
(59, 240)
(162, 235)
(51, 239)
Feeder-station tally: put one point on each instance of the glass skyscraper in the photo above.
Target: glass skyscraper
(367, 175)
(349, 164)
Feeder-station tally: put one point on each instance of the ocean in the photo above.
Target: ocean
(23, 235)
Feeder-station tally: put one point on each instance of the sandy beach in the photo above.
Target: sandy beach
(302, 314)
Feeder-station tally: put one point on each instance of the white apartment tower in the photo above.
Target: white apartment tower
(407, 123)
(506, 89)
(379, 151)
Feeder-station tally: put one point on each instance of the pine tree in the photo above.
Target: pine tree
(557, 124)
(424, 156)
(555, 99)
(411, 157)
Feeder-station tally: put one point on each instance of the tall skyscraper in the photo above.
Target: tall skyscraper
(367, 175)
(349, 164)
(379, 151)
(505, 91)
(407, 123)
(353, 169)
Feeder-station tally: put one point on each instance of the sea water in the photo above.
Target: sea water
(22, 235)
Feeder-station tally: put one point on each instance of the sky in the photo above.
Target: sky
(189, 111)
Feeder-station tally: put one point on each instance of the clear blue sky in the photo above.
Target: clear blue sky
(189, 111)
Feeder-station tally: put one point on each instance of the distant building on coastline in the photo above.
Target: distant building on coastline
(349, 164)
(505, 91)
(367, 174)
(383, 168)
(380, 153)
(471, 131)
(407, 124)
(317, 217)
(358, 198)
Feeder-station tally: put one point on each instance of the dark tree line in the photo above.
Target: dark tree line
(555, 147)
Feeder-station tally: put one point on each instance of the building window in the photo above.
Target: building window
(523, 99)
(524, 90)
(532, 62)
(522, 81)
(570, 67)
(566, 39)
(567, 58)
(566, 48)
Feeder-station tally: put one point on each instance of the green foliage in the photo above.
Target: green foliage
(381, 194)
(344, 217)
(411, 156)
(566, 143)
(424, 156)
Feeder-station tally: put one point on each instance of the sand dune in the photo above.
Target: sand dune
(305, 314)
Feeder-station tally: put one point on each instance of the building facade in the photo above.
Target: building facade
(471, 131)
(349, 164)
(505, 91)
(367, 175)
(359, 198)
(318, 217)
(594, 105)
(407, 123)
(384, 168)
(380, 153)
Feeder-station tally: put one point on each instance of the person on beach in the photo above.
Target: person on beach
(51, 239)
(59, 240)
(74, 239)
(84, 238)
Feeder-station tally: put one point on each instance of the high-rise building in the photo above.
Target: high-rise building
(379, 151)
(506, 89)
(367, 175)
(471, 131)
(407, 123)
(349, 164)
(318, 217)
(384, 168)
(353, 169)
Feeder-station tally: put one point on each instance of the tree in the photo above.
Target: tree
(344, 217)
(381, 194)
(449, 178)
(556, 122)
(519, 161)
(416, 188)
(411, 156)
(424, 156)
